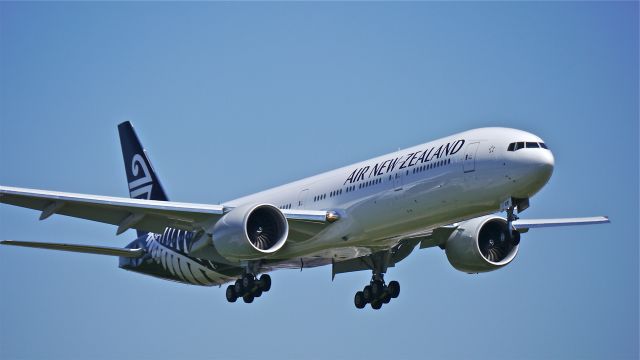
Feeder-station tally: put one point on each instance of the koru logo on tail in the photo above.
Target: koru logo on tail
(140, 188)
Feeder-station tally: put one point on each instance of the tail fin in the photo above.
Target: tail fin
(141, 177)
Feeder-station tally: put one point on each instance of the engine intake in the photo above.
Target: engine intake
(482, 244)
(265, 228)
(250, 232)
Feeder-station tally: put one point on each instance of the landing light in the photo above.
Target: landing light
(332, 216)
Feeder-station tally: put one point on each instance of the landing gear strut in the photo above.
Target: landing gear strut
(377, 292)
(248, 287)
(514, 235)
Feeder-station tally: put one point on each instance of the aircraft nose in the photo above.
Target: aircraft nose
(545, 163)
(540, 167)
(532, 169)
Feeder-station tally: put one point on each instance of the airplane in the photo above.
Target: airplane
(367, 216)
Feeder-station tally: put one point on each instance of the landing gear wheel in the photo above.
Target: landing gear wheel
(265, 282)
(515, 237)
(394, 289)
(247, 281)
(239, 289)
(376, 304)
(359, 300)
(248, 298)
(257, 292)
(231, 294)
(377, 288)
(366, 293)
(386, 297)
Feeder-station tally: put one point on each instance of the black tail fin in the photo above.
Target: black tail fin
(141, 177)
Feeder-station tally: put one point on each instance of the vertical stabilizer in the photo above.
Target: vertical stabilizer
(142, 179)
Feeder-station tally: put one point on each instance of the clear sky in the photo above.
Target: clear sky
(232, 98)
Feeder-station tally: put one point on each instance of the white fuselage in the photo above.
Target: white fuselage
(384, 199)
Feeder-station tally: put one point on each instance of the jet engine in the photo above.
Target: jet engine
(250, 232)
(482, 244)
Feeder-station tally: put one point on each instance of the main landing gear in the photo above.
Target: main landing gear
(248, 287)
(377, 293)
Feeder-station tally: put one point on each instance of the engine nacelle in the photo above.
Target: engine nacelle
(250, 232)
(482, 244)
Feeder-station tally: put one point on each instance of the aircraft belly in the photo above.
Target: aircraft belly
(166, 263)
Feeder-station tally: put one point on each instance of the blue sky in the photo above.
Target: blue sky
(232, 98)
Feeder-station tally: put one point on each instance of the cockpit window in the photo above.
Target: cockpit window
(515, 146)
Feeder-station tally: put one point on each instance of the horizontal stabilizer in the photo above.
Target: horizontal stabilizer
(540, 223)
(99, 250)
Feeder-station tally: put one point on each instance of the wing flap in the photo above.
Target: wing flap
(87, 249)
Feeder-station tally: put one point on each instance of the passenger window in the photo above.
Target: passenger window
(532, 145)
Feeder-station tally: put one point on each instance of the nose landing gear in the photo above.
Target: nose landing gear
(514, 235)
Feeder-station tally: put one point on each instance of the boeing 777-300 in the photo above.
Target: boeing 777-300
(366, 216)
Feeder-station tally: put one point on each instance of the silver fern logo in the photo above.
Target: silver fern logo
(140, 188)
(165, 251)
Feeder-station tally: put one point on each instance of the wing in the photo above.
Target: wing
(439, 236)
(147, 215)
(525, 225)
